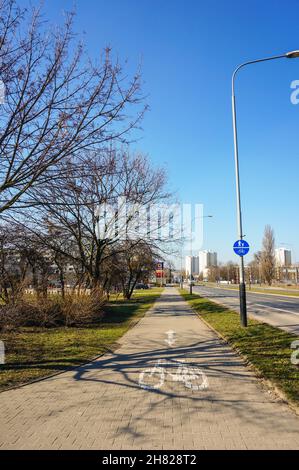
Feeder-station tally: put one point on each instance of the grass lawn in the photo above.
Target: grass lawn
(267, 348)
(32, 353)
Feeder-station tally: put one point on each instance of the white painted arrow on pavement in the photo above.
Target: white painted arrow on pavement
(170, 337)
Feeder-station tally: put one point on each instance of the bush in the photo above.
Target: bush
(83, 309)
(73, 310)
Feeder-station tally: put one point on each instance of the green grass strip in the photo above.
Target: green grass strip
(267, 348)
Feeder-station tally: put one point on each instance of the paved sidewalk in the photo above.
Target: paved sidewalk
(102, 406)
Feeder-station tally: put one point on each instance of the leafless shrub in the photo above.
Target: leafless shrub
(54, 311)
(83, 309)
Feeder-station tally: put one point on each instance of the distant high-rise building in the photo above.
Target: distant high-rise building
(207, 259)
(283, 257)
(191, 265)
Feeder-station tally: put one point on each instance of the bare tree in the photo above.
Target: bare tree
(213, 274)
(134, 264)
(58, 103)
(12, 268)
(66, 219)
(255, 267)
(268, 255)
(227, 271)
(22, 262)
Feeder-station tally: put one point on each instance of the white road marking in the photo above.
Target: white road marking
(261, 293)
(252, 293)
(282, 300)
(275, 308)
(192, 377)
(170, 337)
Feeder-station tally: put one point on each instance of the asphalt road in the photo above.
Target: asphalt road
(277, 310)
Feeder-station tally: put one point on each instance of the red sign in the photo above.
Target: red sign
(159, 269)
(159, 273)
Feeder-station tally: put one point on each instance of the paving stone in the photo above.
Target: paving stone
(102, 406)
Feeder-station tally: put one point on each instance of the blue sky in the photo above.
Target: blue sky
(188, 50)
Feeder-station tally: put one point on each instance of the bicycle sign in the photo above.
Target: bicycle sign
(241, 247)
(154, 377)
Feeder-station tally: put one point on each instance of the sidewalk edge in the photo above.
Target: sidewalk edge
(267, 382)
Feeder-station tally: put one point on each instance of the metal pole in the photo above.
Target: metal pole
(181, 273)
(190, 287)
(242, 287)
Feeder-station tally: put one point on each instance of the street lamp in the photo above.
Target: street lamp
(242, 288)
(190, 275)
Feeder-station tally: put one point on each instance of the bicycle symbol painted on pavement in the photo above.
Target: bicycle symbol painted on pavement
(154, 377)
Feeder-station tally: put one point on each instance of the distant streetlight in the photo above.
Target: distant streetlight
(242, 287)
(190, 276)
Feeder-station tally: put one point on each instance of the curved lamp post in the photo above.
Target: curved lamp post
(242, 288)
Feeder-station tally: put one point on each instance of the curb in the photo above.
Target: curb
(251, 315)
(272, 386)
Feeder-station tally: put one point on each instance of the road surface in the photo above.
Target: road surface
(117, 402)
(277, 310)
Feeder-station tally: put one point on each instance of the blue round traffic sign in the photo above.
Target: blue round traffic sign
(241, 247)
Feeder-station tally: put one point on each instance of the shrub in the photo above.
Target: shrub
(83, 309)
(73, 310)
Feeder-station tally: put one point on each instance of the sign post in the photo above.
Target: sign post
(241, 248)
(160, 272)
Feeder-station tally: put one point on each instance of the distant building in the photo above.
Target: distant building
(191, 265)
(283, 257)
(207, 259)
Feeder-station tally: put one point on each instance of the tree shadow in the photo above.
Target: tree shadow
(212, 357)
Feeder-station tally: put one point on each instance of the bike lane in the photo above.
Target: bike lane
(172, 384)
